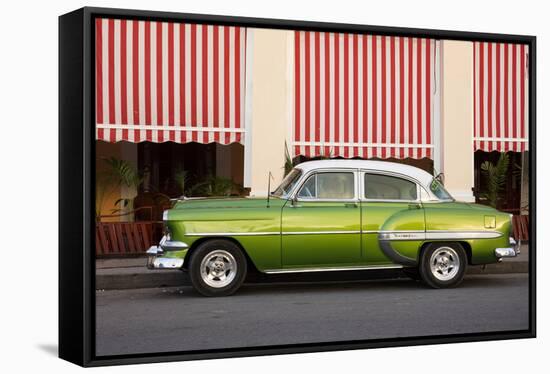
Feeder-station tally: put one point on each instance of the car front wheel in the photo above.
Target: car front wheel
(217, 268)
(443, 265)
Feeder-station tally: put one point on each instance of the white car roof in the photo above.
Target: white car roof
(420, 175)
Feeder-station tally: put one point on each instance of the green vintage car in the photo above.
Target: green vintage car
(334, 215)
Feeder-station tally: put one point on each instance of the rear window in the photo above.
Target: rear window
(385, 187)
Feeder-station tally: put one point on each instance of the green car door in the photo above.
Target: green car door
(321, 226)
(389, 203)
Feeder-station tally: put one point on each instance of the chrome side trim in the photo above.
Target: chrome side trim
(271, 233)
(365, 200)
(402, 235)
(382, 234)
(315, 200)
(320, 269)
(462, 234)
(232, 233)
(434, 235)
(320, 232)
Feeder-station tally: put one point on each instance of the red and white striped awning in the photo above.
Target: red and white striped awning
(166, 81)
(363, 95)
(501, 99)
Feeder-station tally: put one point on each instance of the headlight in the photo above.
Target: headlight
(165, 215)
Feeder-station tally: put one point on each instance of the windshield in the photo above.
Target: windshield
(438, 190)
(288, 183)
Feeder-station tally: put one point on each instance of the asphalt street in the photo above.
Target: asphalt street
(178, 319)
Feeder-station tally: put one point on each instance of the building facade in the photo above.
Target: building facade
(252, 95)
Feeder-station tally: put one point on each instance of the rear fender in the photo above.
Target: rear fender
(402, 235)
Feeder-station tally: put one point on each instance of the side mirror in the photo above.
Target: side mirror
(294, 200)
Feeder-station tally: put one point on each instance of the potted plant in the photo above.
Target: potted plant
(116, 174)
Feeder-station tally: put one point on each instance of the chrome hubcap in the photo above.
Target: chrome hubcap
(444, 263)
(218, 268)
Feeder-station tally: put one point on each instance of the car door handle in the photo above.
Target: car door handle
(415, 206)
(351, 205)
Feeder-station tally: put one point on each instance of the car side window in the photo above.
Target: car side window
(331, 185)
(385, 187)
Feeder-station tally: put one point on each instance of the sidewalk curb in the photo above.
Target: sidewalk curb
(140, 277)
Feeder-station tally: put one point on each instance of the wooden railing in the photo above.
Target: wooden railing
(131, 213)
(520, 223)
(126, 238)
(123, 238)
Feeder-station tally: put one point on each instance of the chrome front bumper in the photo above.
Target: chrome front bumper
(512, 251)
(155, 259)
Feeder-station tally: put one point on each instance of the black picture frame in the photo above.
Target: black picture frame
(77, 181)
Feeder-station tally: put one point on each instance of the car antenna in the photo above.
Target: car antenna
(269, 177)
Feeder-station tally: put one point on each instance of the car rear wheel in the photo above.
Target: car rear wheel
(443, 265)
(217, 268)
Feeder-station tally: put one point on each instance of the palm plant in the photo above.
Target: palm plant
(181, 178)
(213, 186)
(219, 186)
(495, 176)
(117, 173)
(288, 161)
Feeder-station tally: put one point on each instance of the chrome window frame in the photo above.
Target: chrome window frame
(423, 195)
(314, 175)
(305, 177)
(436, 199)
(420, 190)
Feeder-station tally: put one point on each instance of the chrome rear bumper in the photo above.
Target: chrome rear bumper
(512, 251)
